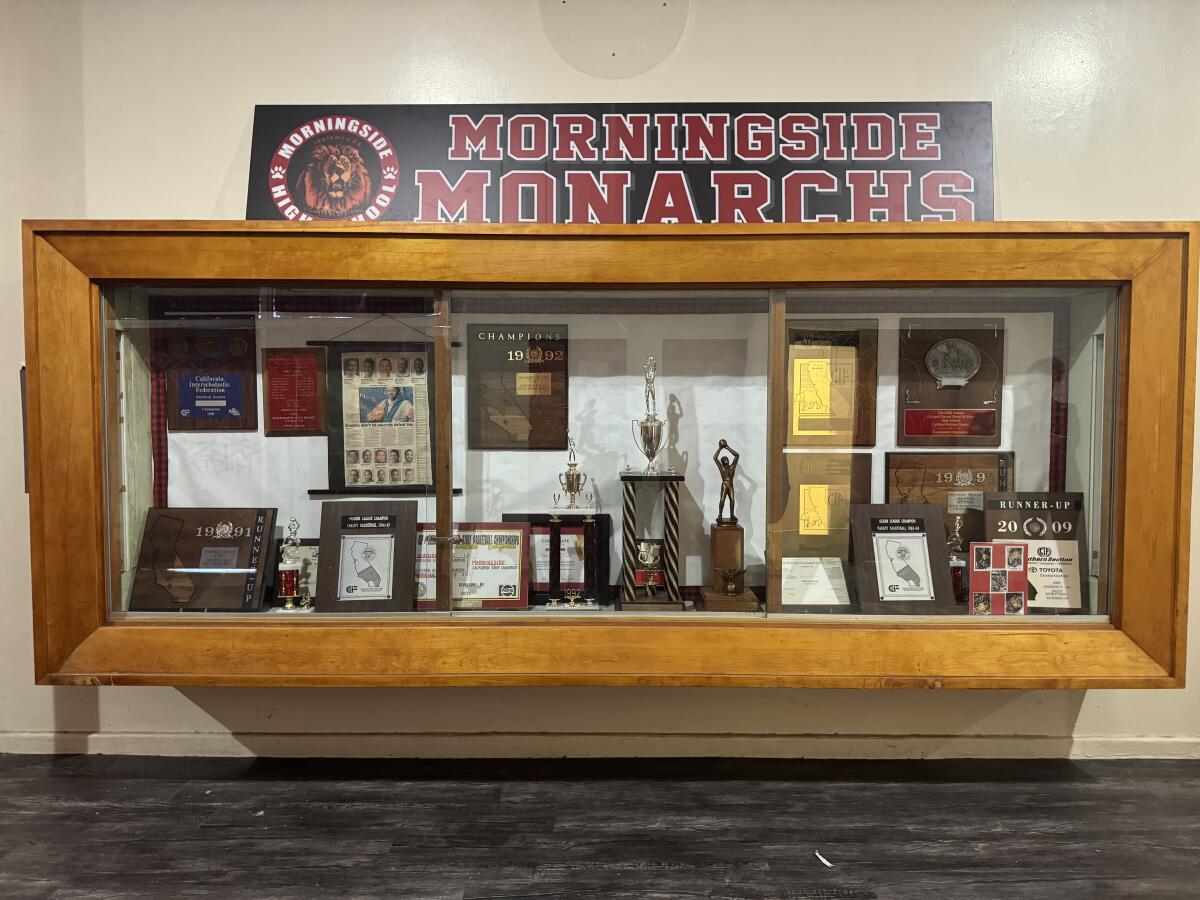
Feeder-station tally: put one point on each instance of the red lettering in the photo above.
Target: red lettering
(513, 187)
(874, 136)
(438, 201)
(625, 137)
(528, 137)
(706, 137)
(835, 138)
(949, 206)
(670, 200)
(795, 188)
(604, 201)
(798, 138)
(481, 138)
(919, 136)
(573, 136)
(665, 148)
(754, 137)
(741, 196)
(872, 192)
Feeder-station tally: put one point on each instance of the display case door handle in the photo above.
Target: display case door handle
(24, 432)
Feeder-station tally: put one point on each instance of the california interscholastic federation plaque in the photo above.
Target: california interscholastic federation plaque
(517, 387)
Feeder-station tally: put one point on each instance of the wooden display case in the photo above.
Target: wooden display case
(68, 265)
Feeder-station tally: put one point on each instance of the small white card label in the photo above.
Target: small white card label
(814, 581)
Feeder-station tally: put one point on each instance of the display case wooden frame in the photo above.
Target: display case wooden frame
(76, 642)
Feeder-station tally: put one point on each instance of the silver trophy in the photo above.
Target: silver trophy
(648, 432)
(572, 480)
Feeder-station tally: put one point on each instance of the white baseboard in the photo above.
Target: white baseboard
(518, 745)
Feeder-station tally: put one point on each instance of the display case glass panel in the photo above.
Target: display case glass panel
(878, 452)
(947, 452)
(270, 450)
(591, 419)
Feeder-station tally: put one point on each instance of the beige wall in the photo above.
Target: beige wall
(143, 109)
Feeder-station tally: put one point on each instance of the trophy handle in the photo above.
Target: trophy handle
(633, 424)
(582, 479)
(561, 482)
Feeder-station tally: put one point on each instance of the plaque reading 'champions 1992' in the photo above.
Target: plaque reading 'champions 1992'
(517, 387)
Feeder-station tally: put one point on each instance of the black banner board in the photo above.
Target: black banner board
(623, 163)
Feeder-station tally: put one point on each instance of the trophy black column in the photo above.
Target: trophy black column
(668, 483)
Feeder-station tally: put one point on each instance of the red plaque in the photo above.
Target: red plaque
(294, 391)
(999, 579)
(949, 422)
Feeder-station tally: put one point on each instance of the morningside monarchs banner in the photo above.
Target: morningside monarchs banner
(623, 164)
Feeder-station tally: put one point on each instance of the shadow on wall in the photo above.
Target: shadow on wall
(615, 722)
(76, 717)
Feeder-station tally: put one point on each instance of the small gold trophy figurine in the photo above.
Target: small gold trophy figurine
(289, 566)
(727, 546)
(572, 480)
(958, 565)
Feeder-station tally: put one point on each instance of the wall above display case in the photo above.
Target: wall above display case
(798, 455)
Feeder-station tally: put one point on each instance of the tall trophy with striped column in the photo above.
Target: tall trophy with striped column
(641, 561)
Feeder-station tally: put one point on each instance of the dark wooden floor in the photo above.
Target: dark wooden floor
(75, 827)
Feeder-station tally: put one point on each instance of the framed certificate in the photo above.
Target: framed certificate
(832, 382)
(491, 566)
(202, 558)
(901, 560)
(367, 556)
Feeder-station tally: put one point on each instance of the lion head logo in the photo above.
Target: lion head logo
(335, 183)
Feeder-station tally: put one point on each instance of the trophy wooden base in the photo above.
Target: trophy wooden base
(654, 604)
(718, 601)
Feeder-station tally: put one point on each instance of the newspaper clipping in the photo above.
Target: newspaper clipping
(385, 418)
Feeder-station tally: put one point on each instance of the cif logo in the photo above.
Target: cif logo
(892, 588)
(1043, 552)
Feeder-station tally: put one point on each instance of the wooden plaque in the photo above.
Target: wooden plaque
(210, 375)
(900, 559)
(951, 382)
(1054, 528)
(832, 382)
(517, 387)
(200, 558)
(956, 482)
(368, 554)
(293, 391)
